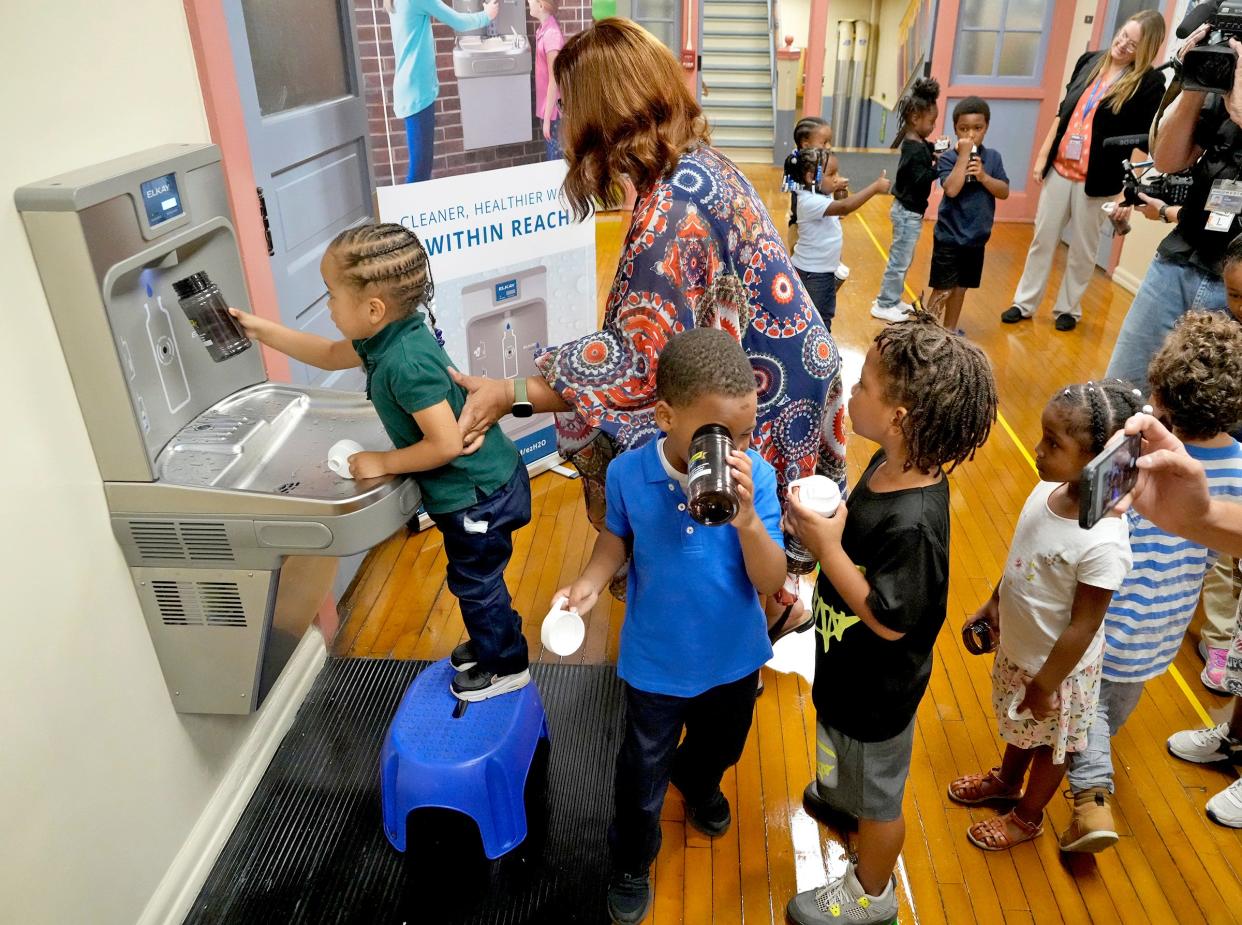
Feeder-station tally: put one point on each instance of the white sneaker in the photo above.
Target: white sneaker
(1203, 746)
(1226, 807)
(845, 900)
(897, 313)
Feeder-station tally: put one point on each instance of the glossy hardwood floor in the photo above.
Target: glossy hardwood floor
(1171, 865)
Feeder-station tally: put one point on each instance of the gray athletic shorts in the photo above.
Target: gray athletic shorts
(865, 779)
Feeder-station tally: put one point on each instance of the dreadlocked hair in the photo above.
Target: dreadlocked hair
(922, 96)
(392, 259)
(1097, 410)
(945, 384)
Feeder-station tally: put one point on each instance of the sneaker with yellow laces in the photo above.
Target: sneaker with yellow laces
(845, 901)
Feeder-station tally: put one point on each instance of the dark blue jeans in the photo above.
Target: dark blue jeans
(717, 722)
(420, 136)
(476, 572)
(822, 288)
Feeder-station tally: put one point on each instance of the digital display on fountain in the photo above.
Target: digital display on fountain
(161, 198)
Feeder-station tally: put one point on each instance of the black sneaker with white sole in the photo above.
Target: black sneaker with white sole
(478, 683)
(463, 658)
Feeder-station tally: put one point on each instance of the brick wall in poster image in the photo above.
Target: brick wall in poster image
(389, 156)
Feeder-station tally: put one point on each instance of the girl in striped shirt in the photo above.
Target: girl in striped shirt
(1196, 383)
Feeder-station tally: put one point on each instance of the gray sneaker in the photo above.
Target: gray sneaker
(1205, 746)
(844, 900)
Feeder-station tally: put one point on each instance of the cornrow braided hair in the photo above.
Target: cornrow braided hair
(1098, 409)
(945, 384)
(391, 258)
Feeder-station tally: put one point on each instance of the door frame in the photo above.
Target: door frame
(213, 56)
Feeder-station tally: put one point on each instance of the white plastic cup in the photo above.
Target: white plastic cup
(338, 456)
(563, 630)
(822, 495)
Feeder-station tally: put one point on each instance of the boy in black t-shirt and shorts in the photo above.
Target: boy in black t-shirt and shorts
(928, 399)
(973, 178)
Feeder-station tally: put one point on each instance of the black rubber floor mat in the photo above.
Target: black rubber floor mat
(310, 846)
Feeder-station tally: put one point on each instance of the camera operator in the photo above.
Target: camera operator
(1203, 130)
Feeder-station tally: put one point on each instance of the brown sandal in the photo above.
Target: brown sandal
(977, 789)
(993, 834)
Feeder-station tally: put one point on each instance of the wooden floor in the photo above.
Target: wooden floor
(1171, 865)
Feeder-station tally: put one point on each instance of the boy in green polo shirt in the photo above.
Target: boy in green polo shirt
(379, 285)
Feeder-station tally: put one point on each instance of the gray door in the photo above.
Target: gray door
(306, 120)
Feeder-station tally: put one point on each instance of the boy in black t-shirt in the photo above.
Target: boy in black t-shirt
(928, 399)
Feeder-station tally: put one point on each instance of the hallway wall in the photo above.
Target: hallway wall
(101, 781)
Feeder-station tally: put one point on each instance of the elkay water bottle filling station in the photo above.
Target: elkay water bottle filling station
(214, 476)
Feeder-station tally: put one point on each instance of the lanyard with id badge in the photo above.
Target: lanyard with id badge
(1077, 140)
(1224, 204)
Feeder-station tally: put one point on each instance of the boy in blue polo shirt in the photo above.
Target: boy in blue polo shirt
(695, 635)
(973, 178)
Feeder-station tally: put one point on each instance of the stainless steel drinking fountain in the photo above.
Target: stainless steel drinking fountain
(214, 476)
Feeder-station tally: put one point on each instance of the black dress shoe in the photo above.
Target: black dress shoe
(1066, 322)
(1012, 315)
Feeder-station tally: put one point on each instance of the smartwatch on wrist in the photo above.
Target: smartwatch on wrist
(1164, 213)
(522, 408)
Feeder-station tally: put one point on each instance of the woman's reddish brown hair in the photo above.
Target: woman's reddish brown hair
(626, 112)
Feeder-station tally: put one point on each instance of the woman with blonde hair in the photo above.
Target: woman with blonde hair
(1112, 92)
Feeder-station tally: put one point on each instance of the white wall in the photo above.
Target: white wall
(100, 781)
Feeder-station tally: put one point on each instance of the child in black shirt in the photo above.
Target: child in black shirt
(928, 398)
(917, 113)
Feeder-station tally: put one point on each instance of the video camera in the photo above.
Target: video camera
(1210, 66)
(1171, 188)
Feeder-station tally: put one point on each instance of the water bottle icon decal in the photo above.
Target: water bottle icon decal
(508, 349)
(167, 357)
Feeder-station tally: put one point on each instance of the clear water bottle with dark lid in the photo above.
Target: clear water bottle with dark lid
(208, 313)
(711, 494)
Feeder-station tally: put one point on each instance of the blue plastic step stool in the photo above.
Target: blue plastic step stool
(476, 764)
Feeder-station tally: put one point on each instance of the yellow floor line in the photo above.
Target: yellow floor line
(1194, 701)
(1176, 675)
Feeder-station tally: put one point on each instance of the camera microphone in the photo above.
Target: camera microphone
(1196, 17)
(1127, 142)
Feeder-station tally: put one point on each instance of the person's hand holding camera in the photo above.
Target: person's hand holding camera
(1157, 209)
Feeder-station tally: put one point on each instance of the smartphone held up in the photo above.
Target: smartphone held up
(1107, 479)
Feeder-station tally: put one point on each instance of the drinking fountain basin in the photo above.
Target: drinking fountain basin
(477, 56)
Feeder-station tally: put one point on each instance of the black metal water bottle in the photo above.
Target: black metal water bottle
(208, 313)
(710, 491)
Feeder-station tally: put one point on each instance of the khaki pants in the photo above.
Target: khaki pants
(1060, 203)
(1220, 603)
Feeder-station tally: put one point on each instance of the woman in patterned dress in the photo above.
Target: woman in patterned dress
(701, 252)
